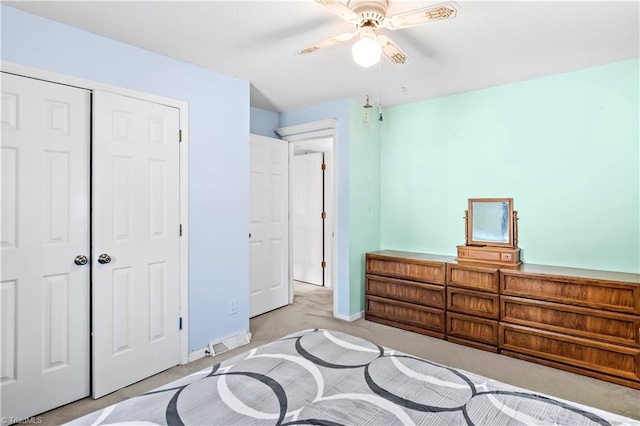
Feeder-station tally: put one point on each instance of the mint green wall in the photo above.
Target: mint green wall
(565, 147)
(364, 200)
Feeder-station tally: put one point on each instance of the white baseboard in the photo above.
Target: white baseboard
(200, 353)
(223, 345)
(350, 318)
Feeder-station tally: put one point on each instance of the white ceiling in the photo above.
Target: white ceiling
(489, 43)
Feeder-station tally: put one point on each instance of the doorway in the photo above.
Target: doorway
(300, 133)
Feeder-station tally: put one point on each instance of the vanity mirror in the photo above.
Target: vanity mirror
(491, 232)
(490, 222)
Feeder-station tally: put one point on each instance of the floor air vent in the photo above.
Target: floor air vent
(216, 348)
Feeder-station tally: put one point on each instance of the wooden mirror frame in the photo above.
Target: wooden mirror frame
(511, 222)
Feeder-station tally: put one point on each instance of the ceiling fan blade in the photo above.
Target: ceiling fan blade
(327, 43)
(341, 10)
(392, 52)
(421, 16)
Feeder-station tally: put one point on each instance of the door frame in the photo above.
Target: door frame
(303, 132)
(183, 107)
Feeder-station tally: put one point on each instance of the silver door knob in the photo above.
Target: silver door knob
(104, 258)
(81, 260)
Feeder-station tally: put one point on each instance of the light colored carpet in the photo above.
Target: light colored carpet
(312, 308)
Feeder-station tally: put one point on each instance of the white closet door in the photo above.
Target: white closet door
(268, 224)
(45, 207)
(135, 225)
(307, 220)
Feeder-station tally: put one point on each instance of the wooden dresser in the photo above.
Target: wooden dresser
(473, 307)
(406, 290)
(583, 321)
(579, 320)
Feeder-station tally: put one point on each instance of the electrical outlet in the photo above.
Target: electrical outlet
(233, 306)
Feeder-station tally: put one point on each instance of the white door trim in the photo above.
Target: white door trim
(316, 130)
(313, 130)
(183, 106)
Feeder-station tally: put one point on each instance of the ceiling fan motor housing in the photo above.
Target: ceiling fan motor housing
(371, 12)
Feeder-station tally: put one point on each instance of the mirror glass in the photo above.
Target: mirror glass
(490, 222)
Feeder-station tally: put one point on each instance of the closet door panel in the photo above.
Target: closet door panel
(136, 240)
(45, 226)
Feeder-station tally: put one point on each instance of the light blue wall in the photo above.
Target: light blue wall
(264, 122)
(565, 147)
(218, 156)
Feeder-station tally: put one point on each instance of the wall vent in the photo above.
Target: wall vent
(224, 345)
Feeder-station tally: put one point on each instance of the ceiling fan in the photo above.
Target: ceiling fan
(370, 15)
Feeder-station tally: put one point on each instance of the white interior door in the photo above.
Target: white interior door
(269, 224)
(45, 225)
(307, 220)
(135, 214)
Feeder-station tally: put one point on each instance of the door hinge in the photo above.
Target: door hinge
(180, 323)
(324, 264)
(181, 230)
(324, 166)
(323, 215)
(180, 135)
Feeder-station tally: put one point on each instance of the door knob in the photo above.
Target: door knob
(104, 258)
(81, 260)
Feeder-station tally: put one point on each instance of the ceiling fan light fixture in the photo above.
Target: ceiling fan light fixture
(366, 52)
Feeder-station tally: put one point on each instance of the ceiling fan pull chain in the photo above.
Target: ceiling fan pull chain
(380, 96)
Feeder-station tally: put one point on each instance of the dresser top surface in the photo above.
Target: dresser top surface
(412, 255)
(532, 268)
(524, 268)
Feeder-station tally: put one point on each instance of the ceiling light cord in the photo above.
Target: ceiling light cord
(380, 88)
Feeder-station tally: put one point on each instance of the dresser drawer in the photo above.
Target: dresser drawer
(610, 295)
(408, 291)
(473, 277)
(472, 328)
(410, 269)
(473, 302)
(403, 312)
(621, 329)
(592, 355)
